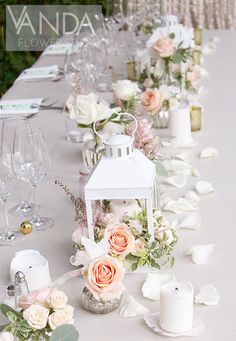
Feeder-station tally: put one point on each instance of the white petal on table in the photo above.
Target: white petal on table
(215, 39)
(207, 295)
(177, 166)
(182, 156)
(204, 187)
(208, 153)
(191, 222)
(209, 48)
(192, 196)
(178, 180)
(195, 172)
(179, 206)
(200, 253)
(132, 308)
(152, 285)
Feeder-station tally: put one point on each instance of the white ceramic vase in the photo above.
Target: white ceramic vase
(179, 124)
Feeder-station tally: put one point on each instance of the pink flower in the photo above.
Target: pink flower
(138, 247)
(164, 46)
(120, 238)
(151, 100)
(104, 278)
(35, 297)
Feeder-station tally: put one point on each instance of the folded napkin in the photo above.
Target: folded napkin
(39, 72)
(57, 49)
(21, 107)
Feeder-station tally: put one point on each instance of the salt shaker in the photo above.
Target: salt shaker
(21, 287)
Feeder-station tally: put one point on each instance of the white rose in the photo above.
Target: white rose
(158, 70)
(125, 89)
(136, 225)
(89, 108)
(111, 218)
(57, 319)
(57, 299)
(6, 336)
(36, 316)
(68, 311)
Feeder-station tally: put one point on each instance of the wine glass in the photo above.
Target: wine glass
(9, 127)
(31, 163)
(7, 187)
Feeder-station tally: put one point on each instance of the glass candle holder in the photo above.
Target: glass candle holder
(196, 117)
(196, 57)
(73, 133)
(198, 36)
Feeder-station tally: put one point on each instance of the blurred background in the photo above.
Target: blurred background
(208, 14)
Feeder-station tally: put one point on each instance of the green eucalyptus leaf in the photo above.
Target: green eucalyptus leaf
(3, 327)
(80, 125)
(172, 35)
(134, 266)
(160, 169)
(66, 332)
(11, 317)
(6, 308)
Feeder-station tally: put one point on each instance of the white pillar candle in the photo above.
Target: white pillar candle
(34, 266)
(179, 124)
(124, 207)
(176, 306)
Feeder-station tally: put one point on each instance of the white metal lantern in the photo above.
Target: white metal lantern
(123, 173)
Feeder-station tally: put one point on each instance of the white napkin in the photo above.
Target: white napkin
(204, 187)
(132, 308)
(21, 107)
(209, 152)
(207, 295)
(57, 49)
(200, 253)
(39, 73)
(152, 285)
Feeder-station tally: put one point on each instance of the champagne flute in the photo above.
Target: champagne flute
(7, 187)
(31, 163)
(9, 127)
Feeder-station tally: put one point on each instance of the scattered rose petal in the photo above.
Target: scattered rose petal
(178, 180)
(192, 196)
(215, 39)
(152, 285)
(191, 222)
(177, 166)
(209, 48)
(195, 172)
(182, 156)
(209, 152)
(207, 295)
(204, 187)
(200, 253)
(132, 308)
(179, 206)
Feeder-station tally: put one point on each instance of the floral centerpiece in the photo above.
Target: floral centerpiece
(129, 240)
(44, 315)
(125, 94)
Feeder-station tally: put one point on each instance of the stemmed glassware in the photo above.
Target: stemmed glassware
(30, 164)
(9, 127)
(7, 187)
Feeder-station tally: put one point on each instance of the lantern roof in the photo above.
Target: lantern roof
(121, 178)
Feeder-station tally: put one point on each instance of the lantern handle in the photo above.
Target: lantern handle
(123, 113)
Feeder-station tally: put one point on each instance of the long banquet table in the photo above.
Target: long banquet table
(216, 210)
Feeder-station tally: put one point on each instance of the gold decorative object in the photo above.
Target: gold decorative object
(196, 57)
(196, 117)
(131, 69)
(26, 227)
(198, 36)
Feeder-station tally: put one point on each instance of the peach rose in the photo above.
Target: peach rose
(120, 238)
(151, 100)
(35, 297)
(164, 46)
(104, 278)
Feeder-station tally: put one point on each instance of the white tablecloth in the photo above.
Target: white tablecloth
(217, 210)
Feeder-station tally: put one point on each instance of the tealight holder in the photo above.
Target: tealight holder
(196, 117)
(196, 57)
(90, 303)
(132, 70)
(198, 35)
